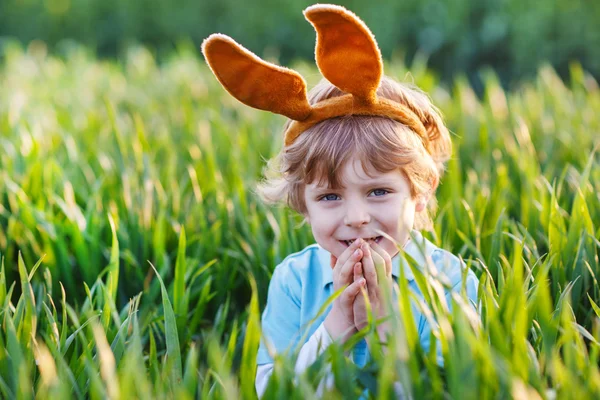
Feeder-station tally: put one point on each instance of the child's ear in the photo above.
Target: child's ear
(423, 198)
(420, 204)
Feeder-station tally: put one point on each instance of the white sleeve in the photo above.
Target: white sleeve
(263, 373)
(314, 347)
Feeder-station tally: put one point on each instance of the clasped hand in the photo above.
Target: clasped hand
(361, 266)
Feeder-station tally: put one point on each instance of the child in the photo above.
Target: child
(362, 158)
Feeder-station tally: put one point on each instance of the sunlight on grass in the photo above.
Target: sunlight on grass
(136, 257)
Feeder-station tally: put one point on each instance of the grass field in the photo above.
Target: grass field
(112, 172)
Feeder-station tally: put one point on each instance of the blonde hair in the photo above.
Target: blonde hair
(386, 145)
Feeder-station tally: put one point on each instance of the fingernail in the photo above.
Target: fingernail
(357, 252)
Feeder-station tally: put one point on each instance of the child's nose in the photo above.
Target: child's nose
(356, 216)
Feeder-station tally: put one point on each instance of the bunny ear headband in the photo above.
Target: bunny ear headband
(347, 55)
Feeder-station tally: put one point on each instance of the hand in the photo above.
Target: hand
(359, 307)
(376, 268)
(340, 320)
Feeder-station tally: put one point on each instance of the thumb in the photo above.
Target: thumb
(357, 271)
(332, 261)
(350, 293)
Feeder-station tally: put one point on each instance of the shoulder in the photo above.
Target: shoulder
(452, 269)
(301, 262)
(302, 266)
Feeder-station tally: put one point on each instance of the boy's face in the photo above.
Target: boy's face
(363, 206)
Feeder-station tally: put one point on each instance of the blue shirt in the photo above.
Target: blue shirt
(303, 282)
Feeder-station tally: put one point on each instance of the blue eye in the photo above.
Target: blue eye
(381, 191)
(328, 197)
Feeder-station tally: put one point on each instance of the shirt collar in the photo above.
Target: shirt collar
(416, 247)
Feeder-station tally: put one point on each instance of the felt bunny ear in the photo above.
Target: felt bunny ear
(348, 57)
(255, 82)
(346, 51)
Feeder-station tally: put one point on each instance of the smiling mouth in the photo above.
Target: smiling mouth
(375, 239)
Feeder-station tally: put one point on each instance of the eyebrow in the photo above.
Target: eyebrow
(382, 182)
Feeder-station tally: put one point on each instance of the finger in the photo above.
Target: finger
(357, 271)
(349, 294)
(347, 254)
(369, 271)
(359, 307)
(382, 278)
(386, 258)
(380, 267)
(345, 272)
(383, 266)
(332, 261)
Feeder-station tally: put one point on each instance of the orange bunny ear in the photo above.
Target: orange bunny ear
(255, 82)
(346, 52)
(347, 55)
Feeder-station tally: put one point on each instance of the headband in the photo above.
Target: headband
(347, 56)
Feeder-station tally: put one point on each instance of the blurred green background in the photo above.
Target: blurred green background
(124, 151)
(456, 36)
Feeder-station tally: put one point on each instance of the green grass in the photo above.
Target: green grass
(136, 258)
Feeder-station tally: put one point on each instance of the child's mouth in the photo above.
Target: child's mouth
(375, 239)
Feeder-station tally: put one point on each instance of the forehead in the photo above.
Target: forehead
(355, 172)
